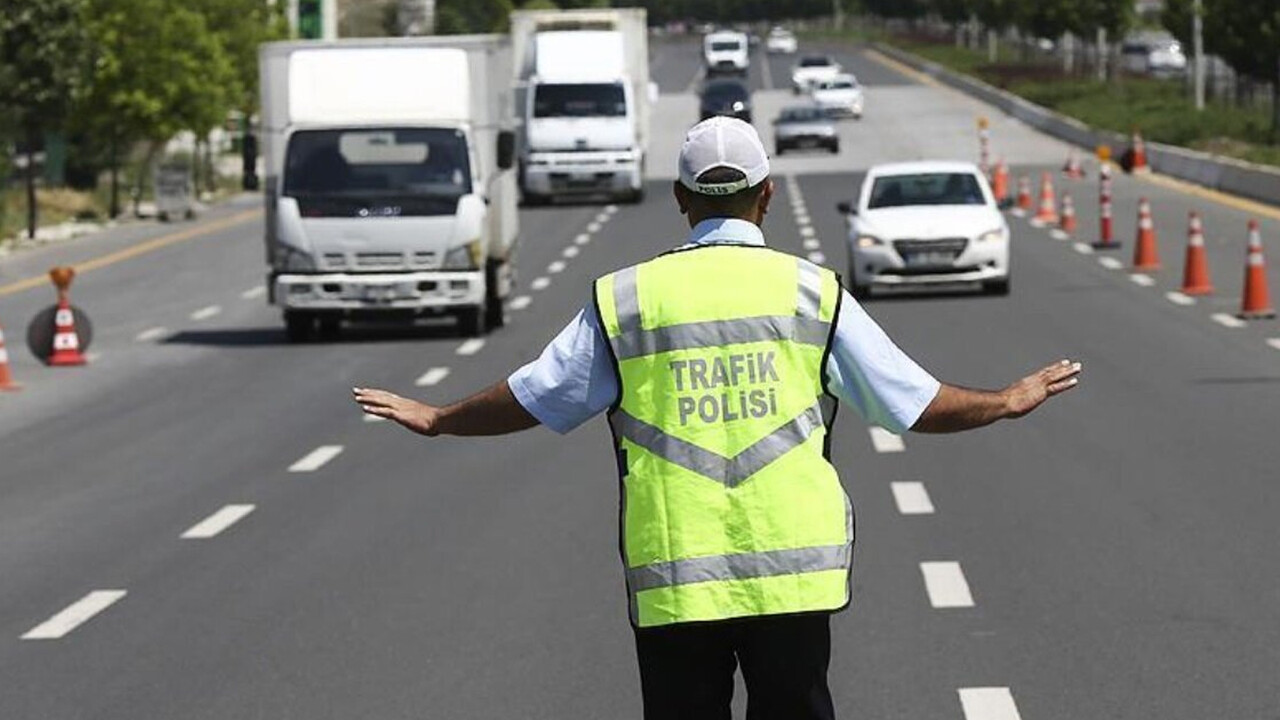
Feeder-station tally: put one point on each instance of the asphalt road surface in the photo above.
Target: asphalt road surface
(199, 524)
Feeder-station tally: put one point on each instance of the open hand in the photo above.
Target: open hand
(1028, 393)
(415, 416)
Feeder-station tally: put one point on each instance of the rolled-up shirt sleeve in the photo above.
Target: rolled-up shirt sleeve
(572, 380)
(867, 370)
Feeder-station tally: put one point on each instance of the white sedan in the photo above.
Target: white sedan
(811, 70)
(781, 41)
(926, 223)
(840, 96)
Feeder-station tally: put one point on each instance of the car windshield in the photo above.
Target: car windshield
(725, 45)
(802, 114)
(404, 171)
(839, 85)
(583, 100)
(955, 188)
(813, 62)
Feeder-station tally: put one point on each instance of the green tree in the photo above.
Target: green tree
(43, 67)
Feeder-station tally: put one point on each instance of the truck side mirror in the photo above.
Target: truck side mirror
(846, 208)
(506, 150)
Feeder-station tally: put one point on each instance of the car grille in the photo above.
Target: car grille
(951, 245)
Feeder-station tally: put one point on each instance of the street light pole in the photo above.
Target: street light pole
(1197, 43)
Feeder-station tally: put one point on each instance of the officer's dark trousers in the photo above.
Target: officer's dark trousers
(686, 671)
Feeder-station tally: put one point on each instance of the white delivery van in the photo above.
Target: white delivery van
(582, 84)
(389, 194)
(726, 51)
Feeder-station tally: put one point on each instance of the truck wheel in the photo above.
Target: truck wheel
(472, 322)
(299, 326)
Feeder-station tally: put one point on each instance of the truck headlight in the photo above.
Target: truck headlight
(291, 259)
(991, 236)
(465, 257)
(867, 241)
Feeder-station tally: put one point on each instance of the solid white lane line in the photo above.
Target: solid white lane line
(582, 239)
(1226, 320)
(75, 615)
(316, 459)
(1178, 298)
(1058, 234)
(571, 251)
(945, 583)
(1110, 263)
(885, 441)
(594, 227)
(471, 347)
(1274, 343)
(432, 377)
(520, 302)
(540, 283)
(152, 334)
(807, 231)
(988, 703)
(812, 244)
(817, 258)
(555, 267)
(1143, 280)
(254, 292)
(205, 313)
(1083, 248)
(911, 498)
(217, 522)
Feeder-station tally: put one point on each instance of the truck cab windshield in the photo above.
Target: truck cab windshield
(379, 172)
(582, 100)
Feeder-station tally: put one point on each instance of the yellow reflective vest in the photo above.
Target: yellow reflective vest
(730, 507)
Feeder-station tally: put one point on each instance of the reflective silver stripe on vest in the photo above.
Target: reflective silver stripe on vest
(738, 567)
(730, 472)
(804, 327)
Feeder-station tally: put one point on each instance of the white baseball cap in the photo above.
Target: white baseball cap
(722, 142)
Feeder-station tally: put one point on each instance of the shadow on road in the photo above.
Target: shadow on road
(269, 336)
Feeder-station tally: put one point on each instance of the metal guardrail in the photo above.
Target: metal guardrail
(1237, 177)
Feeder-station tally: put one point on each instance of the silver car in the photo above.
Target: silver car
(804, 126)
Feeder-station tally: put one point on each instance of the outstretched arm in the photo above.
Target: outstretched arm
(955, 409)
(493, 411)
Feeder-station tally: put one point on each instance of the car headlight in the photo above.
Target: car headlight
(291, 259)
(464, 257)
(991, 236)
(867, 241)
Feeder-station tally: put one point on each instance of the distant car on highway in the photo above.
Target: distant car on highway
(926, 223)
(811, 70)
(840, 96)
(804, 126)
(726, 96)
(781, 41)
(726, 51)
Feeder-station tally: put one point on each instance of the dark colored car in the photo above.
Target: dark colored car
(726, 97)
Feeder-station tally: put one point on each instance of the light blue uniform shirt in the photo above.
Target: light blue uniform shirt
(574, 379)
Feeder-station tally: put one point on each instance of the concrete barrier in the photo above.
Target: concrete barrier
(1256, 182)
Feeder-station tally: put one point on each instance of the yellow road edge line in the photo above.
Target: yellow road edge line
(133, 251)
(1226, 199)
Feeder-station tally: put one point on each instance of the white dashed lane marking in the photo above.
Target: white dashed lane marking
(806, 231)
(803, 219)
(812, 244)
(1083, 248)
(582, 239)
(1057, 234)
(254, 292)
(540, 283)
(1274, 343)
(945, 583)
(432, 377)
(75, 615)
(912, 498)
(1143, 280)
(611, 209)
(150, 334)
(602, 218)
(471, 347)
(555, 267)
(206, 312)
(217, 522)
(817, 258)
(885, 441)
(571, 251)
(1178, 298)
(1230, 321)
(1110, 263)
(594, 227)
(988, 703)
(316, 459)
(521, 302)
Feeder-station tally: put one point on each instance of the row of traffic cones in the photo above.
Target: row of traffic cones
(66, 340)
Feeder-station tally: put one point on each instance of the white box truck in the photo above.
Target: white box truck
(390, 193)
(582, 86)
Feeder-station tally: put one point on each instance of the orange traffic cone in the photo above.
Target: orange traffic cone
(1024, 193)
(1138, 149)
(1000, 183)
(1145, 252)
(66, 341)
(1048, 212)
(1257, 301)
(6, 378)
(1067, 223)
(1072, 168)
(1195, 273)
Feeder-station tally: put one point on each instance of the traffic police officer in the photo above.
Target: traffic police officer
(720, 364)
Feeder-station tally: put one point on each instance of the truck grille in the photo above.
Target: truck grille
(379, 260)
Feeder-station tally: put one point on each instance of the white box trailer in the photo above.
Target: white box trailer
(585, 99)
(389, 185)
